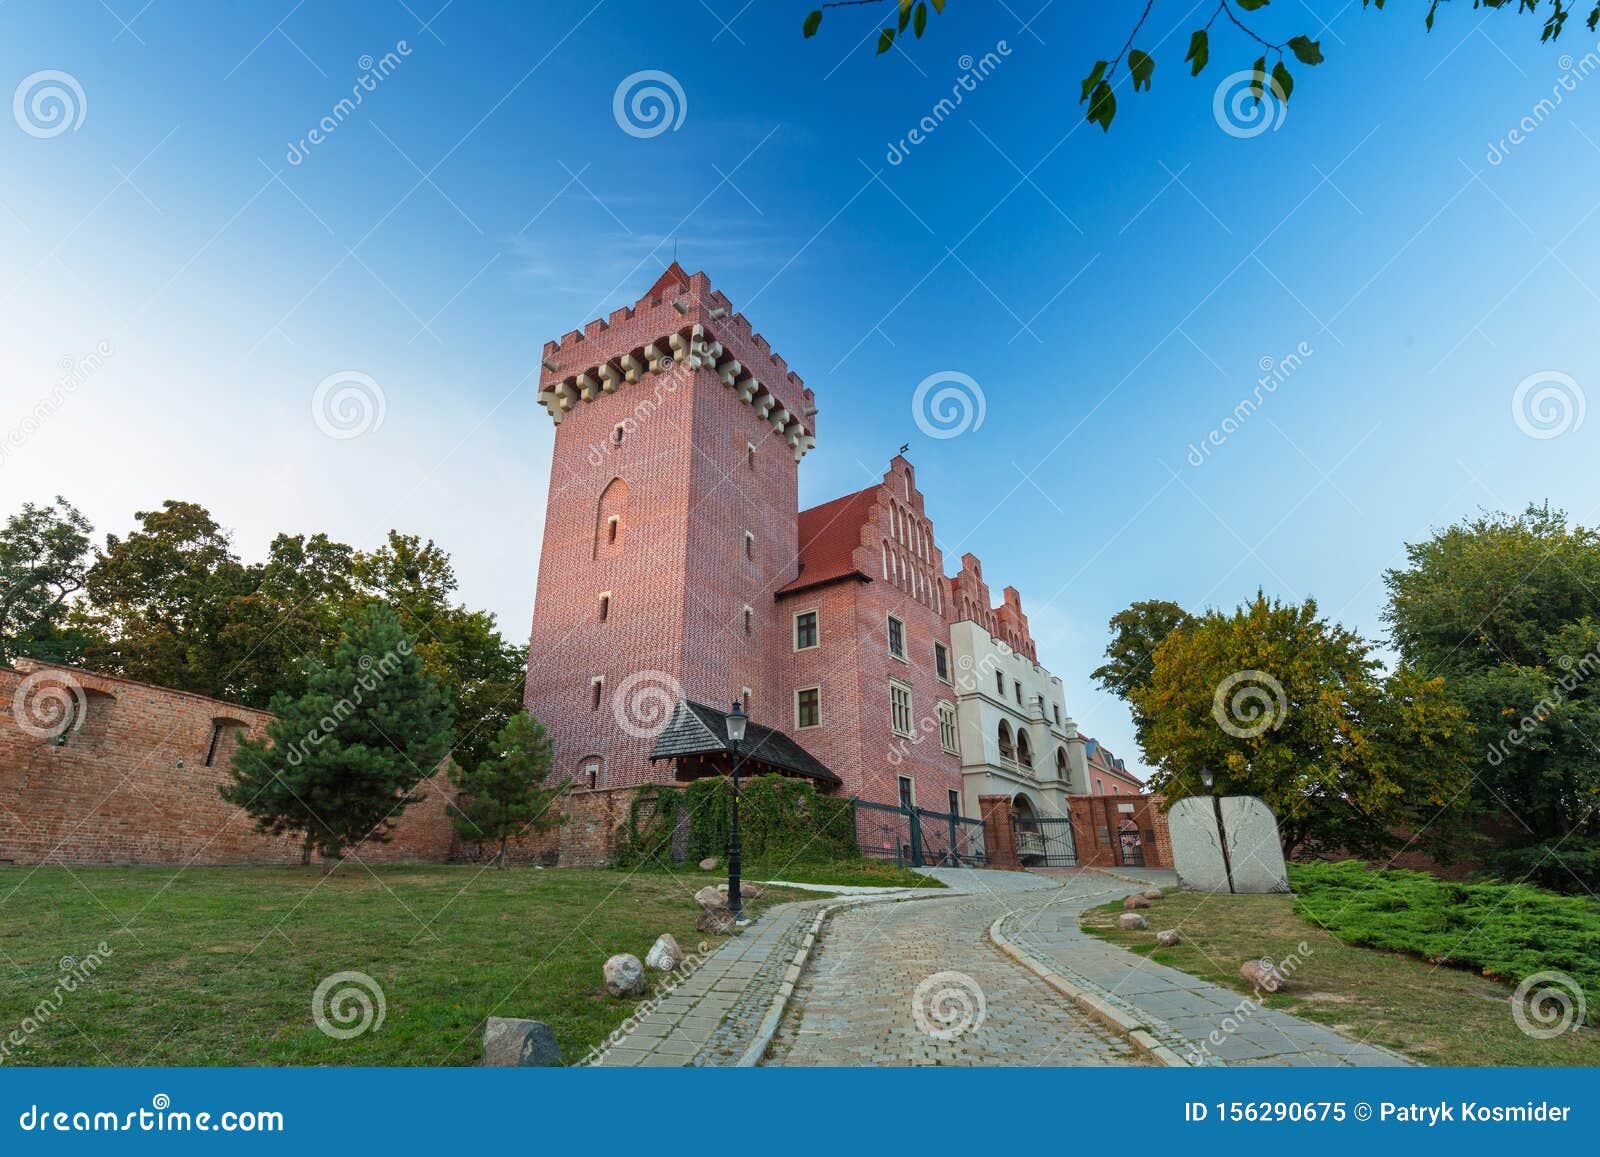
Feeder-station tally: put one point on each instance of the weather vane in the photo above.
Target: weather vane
(906, 448)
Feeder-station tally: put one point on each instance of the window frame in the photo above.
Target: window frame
(816, 630)
(941, 663)
(905, 689)
(948, 719)
(889, 637)
(816, 690)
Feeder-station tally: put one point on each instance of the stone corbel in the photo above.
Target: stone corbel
(610, 379)
(632, 367)
(729, 371)
(779, 419)
(566, 396)
(748, 389)
(764, 405)
(656, 356)
(587, 386)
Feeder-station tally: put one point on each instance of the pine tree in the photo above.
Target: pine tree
(505, 796)
(341, 763)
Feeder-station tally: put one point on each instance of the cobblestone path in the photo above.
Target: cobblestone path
(920, 984)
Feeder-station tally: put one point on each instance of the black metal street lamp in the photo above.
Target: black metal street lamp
(736, 724)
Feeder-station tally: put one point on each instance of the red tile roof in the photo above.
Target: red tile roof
(829, 535)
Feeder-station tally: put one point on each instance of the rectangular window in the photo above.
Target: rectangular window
(1018, 687)
(1000, 683)
(805, 630)
(908, 792)
(900, 709)
(941, 661)
(955, 802)
(591, 773)
(750, 454)
(605, 607)
(611, 529)
(808, 707)
(1057, 706)
(947, 729)
(597, 687)
(897, 638)
(749, 546)
(749, 620)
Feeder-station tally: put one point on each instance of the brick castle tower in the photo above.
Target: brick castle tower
(672, 519)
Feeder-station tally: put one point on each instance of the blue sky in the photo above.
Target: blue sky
(1112, 295)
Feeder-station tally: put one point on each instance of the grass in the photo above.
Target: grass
(1435, 1014)
(853, 873)
(217, 966)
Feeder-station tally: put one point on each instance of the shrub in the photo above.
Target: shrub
(1505, 931)
(780, 820)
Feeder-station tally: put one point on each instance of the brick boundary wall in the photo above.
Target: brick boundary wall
(131, 784)
(1092, 814)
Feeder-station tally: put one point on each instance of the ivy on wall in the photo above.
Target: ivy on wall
(781, 820)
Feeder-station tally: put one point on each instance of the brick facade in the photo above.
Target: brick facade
(131, 783)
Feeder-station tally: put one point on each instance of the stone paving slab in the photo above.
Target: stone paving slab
(1203, 1023)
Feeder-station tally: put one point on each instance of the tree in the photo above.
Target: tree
(463, 649)
(162, 597)
(341, 763)
(1269, 74)
(1508, 610)
(1135, 634)
(1282, 704)
(44, 554)
(505, 796)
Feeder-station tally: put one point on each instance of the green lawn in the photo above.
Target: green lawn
(853, 873)
(218, 965)
(1436, 1014)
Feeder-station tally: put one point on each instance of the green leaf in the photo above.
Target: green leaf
(1434, 7)
(1102, 106)
(1258, 82)
(1199, 51)
(1282, 81)
(885, 40)
(812, 23)
(1092, 79)
(1141, 65)
(938, 5)
(1306, 50)
(920, 20)
(905, 14)
(1251, 5)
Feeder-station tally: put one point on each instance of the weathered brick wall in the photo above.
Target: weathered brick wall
(130, 785)
(1096, 823)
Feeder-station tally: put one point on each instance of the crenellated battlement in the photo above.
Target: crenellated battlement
(680, 320)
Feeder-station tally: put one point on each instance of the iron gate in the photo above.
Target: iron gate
(1044, 842)
(916, 837)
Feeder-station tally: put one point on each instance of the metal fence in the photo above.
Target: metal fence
(917, 837)
(1044, 842)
